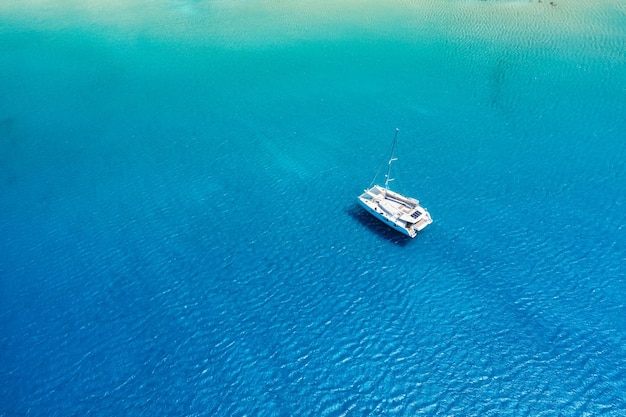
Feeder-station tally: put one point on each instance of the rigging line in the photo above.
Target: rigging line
(392, 158)
(388, 161)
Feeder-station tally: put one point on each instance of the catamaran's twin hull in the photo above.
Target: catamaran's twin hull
(388, 222)
(403, 214)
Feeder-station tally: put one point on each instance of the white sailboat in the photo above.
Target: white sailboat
(404, 214)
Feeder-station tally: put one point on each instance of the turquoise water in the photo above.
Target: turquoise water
(180, 232)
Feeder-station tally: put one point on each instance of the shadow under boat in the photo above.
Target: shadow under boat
(377, 227)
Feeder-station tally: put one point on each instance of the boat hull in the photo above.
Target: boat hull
(387, 221)
(401, 213)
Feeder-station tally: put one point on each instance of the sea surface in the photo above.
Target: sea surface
(179, 231)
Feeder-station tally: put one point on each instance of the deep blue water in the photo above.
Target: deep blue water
(179, 232)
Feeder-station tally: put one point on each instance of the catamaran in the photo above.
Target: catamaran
(404, 214)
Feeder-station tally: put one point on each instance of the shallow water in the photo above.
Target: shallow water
(180, 227)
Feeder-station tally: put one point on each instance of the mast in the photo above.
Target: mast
(388, 178)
